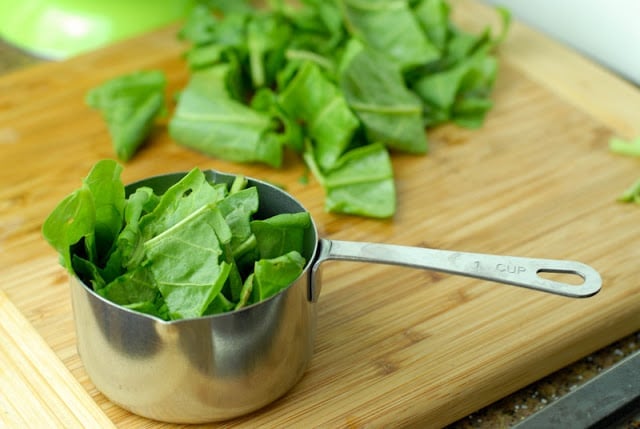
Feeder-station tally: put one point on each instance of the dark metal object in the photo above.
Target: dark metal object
(610, 400)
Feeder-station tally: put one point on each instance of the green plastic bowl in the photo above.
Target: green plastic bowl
(58, 29)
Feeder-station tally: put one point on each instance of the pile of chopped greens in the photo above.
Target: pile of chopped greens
(340, 82)
(193, 251)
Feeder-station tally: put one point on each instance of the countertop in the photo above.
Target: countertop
(511, 409)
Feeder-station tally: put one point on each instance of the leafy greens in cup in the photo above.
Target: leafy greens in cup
(192, 251)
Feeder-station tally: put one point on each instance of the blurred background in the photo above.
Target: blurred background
(58, 29)
(608, 31)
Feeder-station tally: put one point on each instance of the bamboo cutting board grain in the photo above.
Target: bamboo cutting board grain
(395, 346)
(35, 386)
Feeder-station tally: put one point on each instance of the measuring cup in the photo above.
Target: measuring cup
(222, 366)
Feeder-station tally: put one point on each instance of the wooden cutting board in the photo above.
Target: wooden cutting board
(395, 346)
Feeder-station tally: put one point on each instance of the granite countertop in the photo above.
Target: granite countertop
(525, 402)
(507, 411)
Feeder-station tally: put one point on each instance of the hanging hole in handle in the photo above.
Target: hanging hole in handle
(569, 277)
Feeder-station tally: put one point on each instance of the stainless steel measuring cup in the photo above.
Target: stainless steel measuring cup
(223, 366)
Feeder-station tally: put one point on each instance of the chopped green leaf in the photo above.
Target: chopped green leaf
(130, 105)
(631, 148)
(238, 209)
(220, 304)
(93, 213)
(390, 113)
(625, 147)
(267, 38)
(129, 241)
(459, 93)
(361, 184)
(291, 133)
(245, 293)
(225, 128)
(132, 288)
(631, 194)
(314, 100)
(73, 219)
(182, 199)
(390, 27)
(281, 233)
(185, 261)
(271, 274)
(200, 26)
(433, 17)
(107, 189)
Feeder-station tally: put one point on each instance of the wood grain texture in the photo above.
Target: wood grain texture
(35, 386)
(395, 346)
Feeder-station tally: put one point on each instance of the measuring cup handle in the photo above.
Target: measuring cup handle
(513, 270)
